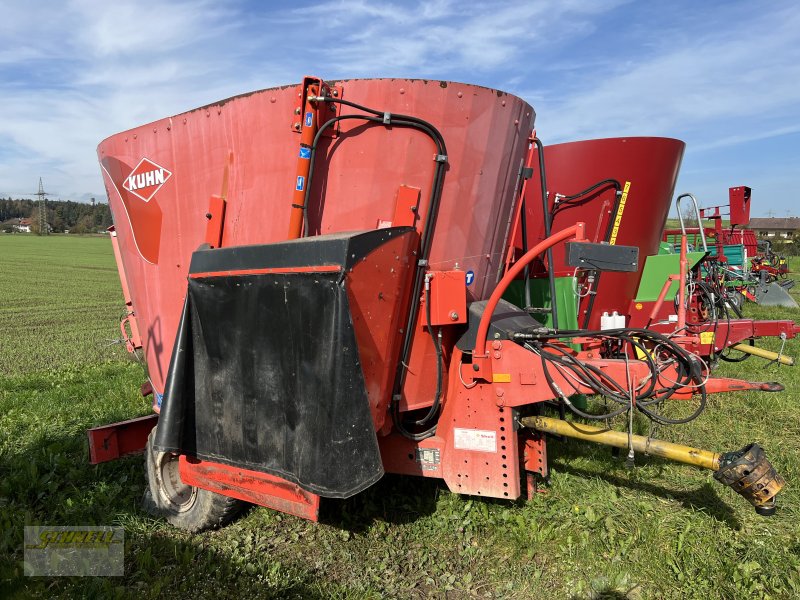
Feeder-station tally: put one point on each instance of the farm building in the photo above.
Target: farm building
(21, 225)
(775, 227)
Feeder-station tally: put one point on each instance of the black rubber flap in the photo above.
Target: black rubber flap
(266, 376)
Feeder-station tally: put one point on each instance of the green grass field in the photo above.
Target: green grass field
(599, 531)
(60, 302)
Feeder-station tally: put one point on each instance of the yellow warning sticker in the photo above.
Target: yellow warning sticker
(707, 337)
(618, 217)
(640, 353)
(501, 378)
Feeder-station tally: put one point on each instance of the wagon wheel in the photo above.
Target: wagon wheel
(185, 506)
(735, 301)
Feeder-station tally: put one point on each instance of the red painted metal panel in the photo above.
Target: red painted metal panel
(534, 454)
(115, 440)
(406, 210)
(243, 144)
(378, 288)
(448, 297)
(250, 486)
(650, 165)
(481, 452)
(403, 456)
(216, 218)
(739, 202)
(420, 385)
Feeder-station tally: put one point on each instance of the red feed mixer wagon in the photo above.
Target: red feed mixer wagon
(622, 189)
(314, 275)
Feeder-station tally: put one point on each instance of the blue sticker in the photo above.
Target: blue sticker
(309, 119)
(159, 398)
(305, 152)
(301, 181)
(470, 277)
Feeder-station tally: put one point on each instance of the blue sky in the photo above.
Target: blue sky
(722, 76)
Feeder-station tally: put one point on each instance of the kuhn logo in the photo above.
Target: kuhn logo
(146, 179)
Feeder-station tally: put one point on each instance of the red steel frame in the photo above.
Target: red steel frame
(109, 442)
(250, 486)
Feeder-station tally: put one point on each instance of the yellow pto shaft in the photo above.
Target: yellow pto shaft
(768, 354)
(746, 471)
(685, 454)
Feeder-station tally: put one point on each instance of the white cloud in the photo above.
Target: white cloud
(73, 73)
(437, 38)
(723, 79)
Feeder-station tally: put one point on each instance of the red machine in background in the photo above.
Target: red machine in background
(612, 185)
(622, 189)
(738, 213)
(372, 337)
(739, 266)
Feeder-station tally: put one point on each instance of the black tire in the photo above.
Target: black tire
(186, 507)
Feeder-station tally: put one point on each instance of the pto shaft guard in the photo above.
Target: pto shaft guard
(751, 476)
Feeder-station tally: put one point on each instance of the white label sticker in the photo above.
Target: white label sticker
(475, 439)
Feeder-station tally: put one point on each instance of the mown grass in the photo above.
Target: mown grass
(600, 530)
(60, 302)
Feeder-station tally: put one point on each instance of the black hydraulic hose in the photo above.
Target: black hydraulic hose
(395, 119)
(551, 278)
(437, 344)
(552, 384)
(596, 376)
(562, 200)
(597, 381)
(587, 374)
(609, 231)
(312, 157)
(661, 419)
(526, 272)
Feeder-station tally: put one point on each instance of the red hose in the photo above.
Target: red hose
(576, 230)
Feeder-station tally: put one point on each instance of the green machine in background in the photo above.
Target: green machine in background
(566, 301)
(566, 306)
(658, 268)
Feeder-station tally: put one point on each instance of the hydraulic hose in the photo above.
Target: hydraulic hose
(562, 200)
(437, 344)
(648, 395)
(391, 120)
(551, 278)
(607, 238)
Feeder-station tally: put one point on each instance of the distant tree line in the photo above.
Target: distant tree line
(76, 217)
